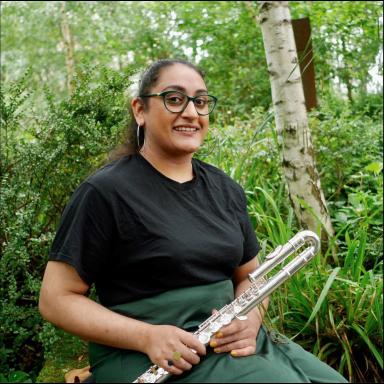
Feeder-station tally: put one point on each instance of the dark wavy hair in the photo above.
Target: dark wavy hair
(147, 81)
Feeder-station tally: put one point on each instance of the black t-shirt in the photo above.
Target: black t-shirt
(134, 232)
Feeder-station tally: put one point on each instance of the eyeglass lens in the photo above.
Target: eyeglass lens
(177, 101)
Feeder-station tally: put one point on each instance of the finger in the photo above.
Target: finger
(192, 342)
(224, 338)
(235, 326)
(182, 364)
(238, 344)
(247, 351)
(190, 356)
(171, 369)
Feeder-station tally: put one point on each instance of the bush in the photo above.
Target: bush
(349, 152)
(43, 159)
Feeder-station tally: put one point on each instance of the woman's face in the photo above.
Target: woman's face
(162, 128)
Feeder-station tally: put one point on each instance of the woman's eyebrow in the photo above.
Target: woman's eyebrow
(182, 89)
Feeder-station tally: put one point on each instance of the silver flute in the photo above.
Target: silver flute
(259, 289)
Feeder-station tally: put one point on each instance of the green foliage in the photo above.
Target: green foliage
(347, 41)
(15, 377)
(42, 161)
(334, 307)
(337, 314)
(343, 136)
(50, 143)
(349, 151)
(339, 32)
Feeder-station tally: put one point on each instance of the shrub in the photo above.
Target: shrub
(43, 159)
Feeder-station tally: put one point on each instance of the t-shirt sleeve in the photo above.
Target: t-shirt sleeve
(85, 233)
(251, 245)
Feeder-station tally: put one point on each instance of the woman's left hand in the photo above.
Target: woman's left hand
(238, 337)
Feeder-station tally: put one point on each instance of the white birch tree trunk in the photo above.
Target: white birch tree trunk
(298, 160)
(68, 46)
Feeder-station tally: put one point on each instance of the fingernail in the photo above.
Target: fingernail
(217, 350)
(213, 344)
(219, 335)
(233, 353)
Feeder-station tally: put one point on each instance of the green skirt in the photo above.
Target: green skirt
(277, 360)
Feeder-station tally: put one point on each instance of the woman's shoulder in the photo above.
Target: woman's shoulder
(115, 173)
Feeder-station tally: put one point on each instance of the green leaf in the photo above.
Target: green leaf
(374, 167)
(372, 348)
(322, 297)
(19, 377)
(358, 265)
(342, 217)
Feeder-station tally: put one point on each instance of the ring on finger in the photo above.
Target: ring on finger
(176, 355)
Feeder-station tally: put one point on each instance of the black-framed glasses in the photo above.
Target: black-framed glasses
(176, 102)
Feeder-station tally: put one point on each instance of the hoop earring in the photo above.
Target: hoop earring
(138, 137)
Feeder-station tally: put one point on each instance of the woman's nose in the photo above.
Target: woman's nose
(190, 110)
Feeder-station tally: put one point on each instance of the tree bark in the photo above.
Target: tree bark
(68, 45)
(298, 160)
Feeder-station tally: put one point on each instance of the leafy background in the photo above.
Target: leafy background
(51, 141)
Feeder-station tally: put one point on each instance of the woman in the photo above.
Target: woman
(166, 239)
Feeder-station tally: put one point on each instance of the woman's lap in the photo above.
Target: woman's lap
(276, 360)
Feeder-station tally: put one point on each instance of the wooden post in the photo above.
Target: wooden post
(302, 33)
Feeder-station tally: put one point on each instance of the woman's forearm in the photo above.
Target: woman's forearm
(81, 316)
(64, 303)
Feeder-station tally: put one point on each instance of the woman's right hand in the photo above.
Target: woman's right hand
(163, 341)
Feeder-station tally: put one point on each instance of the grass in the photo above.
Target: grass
(67, 354)
(334, 312)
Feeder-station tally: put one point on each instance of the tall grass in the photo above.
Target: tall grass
(334, 306)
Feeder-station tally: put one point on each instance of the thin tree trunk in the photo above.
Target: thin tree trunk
(298, 160)
(68, 44)
(345, 75)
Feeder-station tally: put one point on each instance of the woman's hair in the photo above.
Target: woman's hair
(147, 81)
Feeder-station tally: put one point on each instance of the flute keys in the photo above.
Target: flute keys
(255, 291)
(242, 299)
(237, 308)
(204, 337)
(226, 319)
(216, 326)
(148, 378)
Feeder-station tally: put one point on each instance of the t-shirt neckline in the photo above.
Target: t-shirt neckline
(168, 181)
